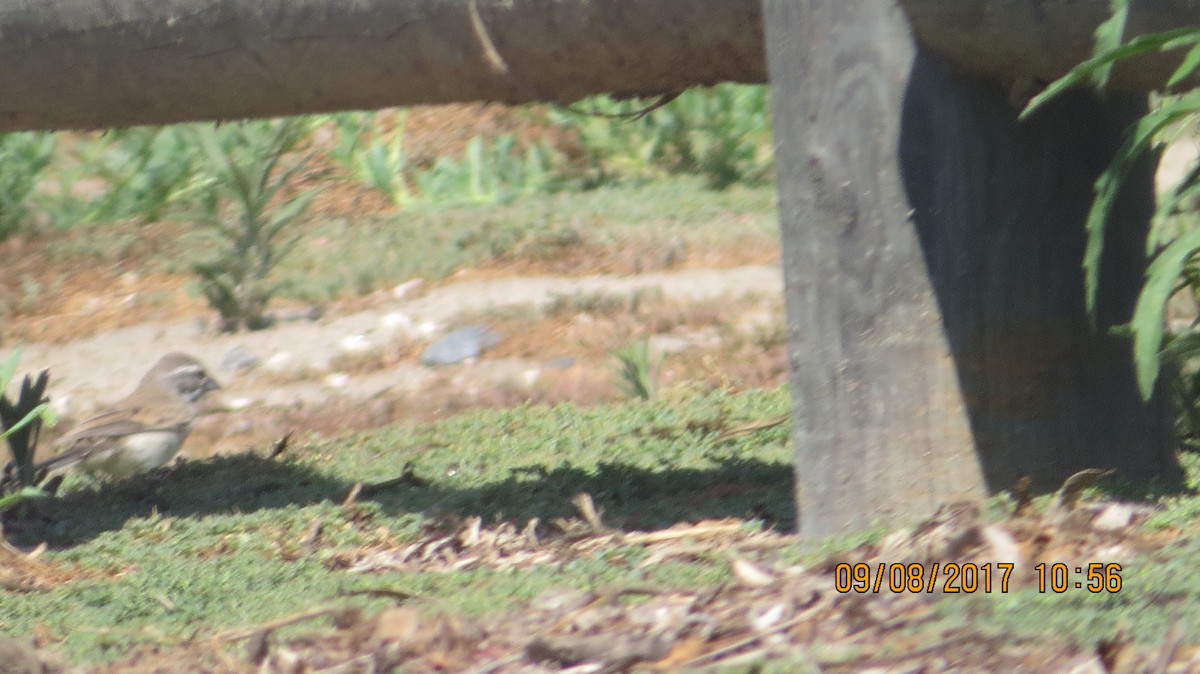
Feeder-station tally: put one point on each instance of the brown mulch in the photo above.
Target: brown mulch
(769, 612)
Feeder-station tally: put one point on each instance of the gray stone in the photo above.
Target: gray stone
(465, 343)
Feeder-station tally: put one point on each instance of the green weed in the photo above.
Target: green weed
(487, 172)
(342, 255)
(249, 164)
(226, 542)
(722, 134)
(1162, 277)
(23, 158)
(21, 420)
(637, 370)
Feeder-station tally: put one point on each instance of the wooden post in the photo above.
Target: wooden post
(932, 249)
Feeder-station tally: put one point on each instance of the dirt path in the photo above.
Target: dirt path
(92, 371)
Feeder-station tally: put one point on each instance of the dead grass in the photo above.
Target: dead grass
(771, 614)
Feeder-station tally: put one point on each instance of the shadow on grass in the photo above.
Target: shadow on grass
(629, 497)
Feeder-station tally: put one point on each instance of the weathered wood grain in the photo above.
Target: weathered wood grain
(880, 427)
(932, 248)
(1028, 43)
(113, 63)
(1000, 205)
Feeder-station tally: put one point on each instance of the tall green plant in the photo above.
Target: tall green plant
(485, 173)
(23, 156)
(1163, 275)
(637, 370)
(488, 173)
(374, 157)
(245, 216)
(147, 170)
(20, 425)
(722, 133)
(141, 174)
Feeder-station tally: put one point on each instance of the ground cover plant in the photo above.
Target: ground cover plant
(399, 185)
(649, 533)
(242, 217)
(227, 542)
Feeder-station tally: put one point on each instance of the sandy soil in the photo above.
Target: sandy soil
(316, 362)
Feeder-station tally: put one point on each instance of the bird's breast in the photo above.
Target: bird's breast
(140, 452)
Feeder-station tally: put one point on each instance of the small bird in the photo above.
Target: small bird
(142, 432)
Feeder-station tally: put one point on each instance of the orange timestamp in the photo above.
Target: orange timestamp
(915, 577)
(1095, 577)
(969, 577)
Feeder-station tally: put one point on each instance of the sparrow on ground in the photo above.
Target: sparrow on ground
(142, 432)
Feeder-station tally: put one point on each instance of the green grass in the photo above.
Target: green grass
(720, 134)
(1158, 590)
(228, 542)
(656, 225)
(716, 139)
(218, 544)
(341, 256)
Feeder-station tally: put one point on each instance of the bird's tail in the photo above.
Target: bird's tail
(61, 463)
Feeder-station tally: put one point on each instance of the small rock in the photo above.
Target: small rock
(749, 574)
(61, 405)
(1002, 544)
(563, 600)
(409, 287)
(1115, 517)
(279, 362)
(239, 358)
(337, 380)
(396, 320)
(683, 339)
(763, 619)
(399, 624)
(92, 305)
(309, 314)
(466, 343)
(240, 403)
(669, 344)
(355, 343)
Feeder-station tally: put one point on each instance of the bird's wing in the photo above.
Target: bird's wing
(99, 434)
(116, 424)
(79, 450)
(106, 425)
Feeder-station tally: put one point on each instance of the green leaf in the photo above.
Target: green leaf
(1173, 201)
(1178, 349)
(25, 494)
(33, 415)
(1186, 67)
(1136, 47)
(1109, 183)
(1109, 36)
(9, 368)
(291, 210)
(1147, 323)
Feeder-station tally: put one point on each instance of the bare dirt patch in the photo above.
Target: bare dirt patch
(362, 369)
